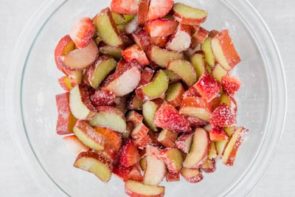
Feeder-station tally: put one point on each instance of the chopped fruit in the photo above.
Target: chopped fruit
(121, 104)
(170, 177)
(109, 117)
(149, 109)
(162, 57)
(229, 154)
(196, 122)
(184, 142)
(220, 146)
(103, 98)
(135, 103)
(189, 15)
(217, 134)
(132, 26)
(82, 32)
(67, 83)
(230, 84)
(167, 117)
(81, 58)
(229, 131)
(143, 10)
(199, 36)
(135, 53)
(192, 175)
(155, 170)
(209, 166)
(156, 88)
(146, 76)
(185, 70)
(219, 72)
(106, 28)
(130, 173)
(134, 117)
(159, 41)
(74, 144)
(142, 39)
(65, 120)
(161, 27)
(167, 138)
(121, 19)
(191, 92)
(173, 159)
(173, 77)
(129, 155)
(223, 116)
(89, 136)
(212, 151)
(95, 163)
(138, 189)
(207, 87)
(135, 174)
(199, 149)
(174, 94)
(100, 70)
(224, 50)
(143, 164)
(140, 136)
(207, 49)
(159, 8)
(80, 104)
(180, 41)
(114, 52)
(198, 62)
(230, 102)
(124, 6)
(195, 107)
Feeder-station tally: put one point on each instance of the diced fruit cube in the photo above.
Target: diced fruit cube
(130, 173)
(129, 155)
(160, 41)
(173, 159)
(195, 107)
(135, 53)
(199, 36)
(219, 72)
(223, 116)
(192, 175)
(198, 62)
(159, 8)
(207, 87)
(174, 94)
(161, 27)
(184, 142)
(162, 57)
(224, 50)
(149, 109)
(109, 117)
(114, 52)
(212, 151)
(134, 188)
(209, 166)
(132, 26)
(170, 177)
(140, 136)
(142, 39)
(106, 28)
(103, 98)
(180, 41)
(124, 6)
(143, 10)
(95, 163)
(217, 134)
(134, 117)
(189, 15)
(74, 144)
(230, 102)
(207, 49)
(167, 138)
(230, 84)
(65, 120)
(146, 75)
(155, 171)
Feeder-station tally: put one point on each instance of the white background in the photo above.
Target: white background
(279, 178)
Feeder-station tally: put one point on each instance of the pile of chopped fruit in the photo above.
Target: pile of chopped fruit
(149, 94)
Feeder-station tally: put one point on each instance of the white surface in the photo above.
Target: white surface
(278, 180)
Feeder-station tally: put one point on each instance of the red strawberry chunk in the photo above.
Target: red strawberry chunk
(83, 32)
(143, 10)
(159, 8)
(167, 117)
(159, 41)
(124, 6)
(172, 177)
(184, 142)
(142, 39)
(135, 174)
(223, 116)
(103, 98)
(129, 154)
(130, 173)
(207, 87)
(146, 76)
(217, 134)
(140, 136)
(191, 92)
(161, 27)
(135, 53)
(230, 84)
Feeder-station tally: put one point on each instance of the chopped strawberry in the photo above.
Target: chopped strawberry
(159, 8)
(143, 10)
(161, 27)
(223, 116)
(230, 84)
(172, 177)
(135, 53)
(86, 92)
(146, 76)
(142, 39)
(140, 136)
(135, 174)
(184, 142)
(103, 98)
(159, 41)
(167, 138)
(217, 134)
(207, 87)
(124, 6)
(135, 118)
(208, 166)
(191, 92)
(129, 154)
(191, 101)
(128, 173)
(82, 32)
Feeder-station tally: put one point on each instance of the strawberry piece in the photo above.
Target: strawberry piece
(140, 136)
(124, 6)
(191, 92)
(67, 83)
(86, 92)
(161, 27)
(167, 117)
(184, 142)
(129, 154)
(143, 10)
(223, 116)
(191, 101)
(217, 134)
(167, 138)
(208, 166)
(146, 76)
(172, 177)
(159, 8)
(135, 174)
(130, 173)
(82, 32)
(159, 41)
(135, 53)
(142, 39)
(181, 39)
(230, 84)
(207, 87)
(103, 98)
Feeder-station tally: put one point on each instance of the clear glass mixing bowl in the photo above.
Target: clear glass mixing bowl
(32, 86)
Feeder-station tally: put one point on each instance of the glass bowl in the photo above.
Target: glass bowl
(32, 86)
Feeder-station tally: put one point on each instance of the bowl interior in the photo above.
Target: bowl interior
(40, 86)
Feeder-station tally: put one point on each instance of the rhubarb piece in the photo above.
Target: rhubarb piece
(162, 57)
(208, 166)
(67, 83)
(156, 88)
(143, 10)
(103, 98)
(231, 150)
(143, 164)
(122, 19)
(217, 134)
(88, 136)
(124, 6)
(80, 104)
(146, 76)
(185, 70)
(140, 136)
(155, 171)
(173, 159)
(170, 177)
(109, 117)
(219, 72)
(81, 58)
(180, 41)
(212, 151)
(220, 146)
(224, 50)
(82, 32)
(188, 15)
(173, 77)
(223, 116)
(230, 84)
(198, 62)
(184, 142)
(149, 109)
(230, 130)
(207, 49)
(174, 94)
(106, 29)
(134, 117)
(135, 103)
(159, 8)
(161, 27)
(199, 36)
(114, 52)
(135, 53)
(207, 87)
(167, 117)
(167, 138)
(65, 120)
(142, 39)
(96, 164)
(74, 144)
(129, 155)
(132, 26)
(199, 149)
(196, 122)
(134, 188)
(230, 102)
(195, 107)
(192, 175)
